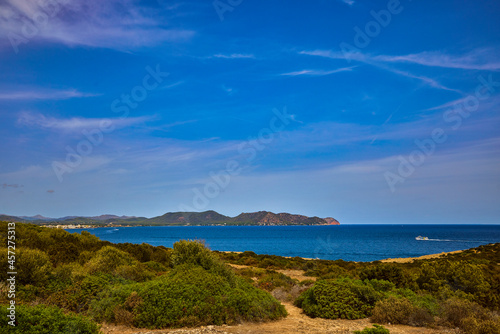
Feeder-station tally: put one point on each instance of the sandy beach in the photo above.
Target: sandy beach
(424, 257)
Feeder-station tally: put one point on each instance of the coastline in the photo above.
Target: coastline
(390, 260)
(423, 257)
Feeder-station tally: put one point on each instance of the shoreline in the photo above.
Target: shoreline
(423, 257)
(389, 260)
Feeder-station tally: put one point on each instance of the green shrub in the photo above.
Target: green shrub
(110, 260)
(137, 272)
(195, 253)
(400, 311)
(110, 300)
(462, 279)
(376, 329)
(32, 266)
(78, 296)
(43, 319)
(273, 279)
(381, 285)
(342, 298)
(470, 317)
(187, 296)
(155, 266)
(388, 272)
(393, 310)
(107, 259)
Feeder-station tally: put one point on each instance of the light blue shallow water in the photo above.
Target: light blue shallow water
(347, 242)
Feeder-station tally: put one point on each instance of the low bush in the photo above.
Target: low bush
(156, 266)
(107, 259)
(273, 279)
(195, 253)
(388, 272)
(78, 295)
(43, 319)
(400, 311)
(110, 260)
(32, 266)
(376, 329)
(332, 271)
(342, 298)
(189, 295)
(381, 285)
(469, 316)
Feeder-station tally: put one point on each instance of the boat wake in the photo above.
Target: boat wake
(111, 231)
(449, 240)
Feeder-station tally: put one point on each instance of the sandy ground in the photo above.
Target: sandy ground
(425, 257)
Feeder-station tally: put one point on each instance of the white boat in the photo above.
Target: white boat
(421, 238)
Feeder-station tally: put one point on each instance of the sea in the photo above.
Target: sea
(330, 242)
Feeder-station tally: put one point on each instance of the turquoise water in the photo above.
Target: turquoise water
(347, 242)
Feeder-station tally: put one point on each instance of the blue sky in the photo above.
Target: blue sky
(366, 111)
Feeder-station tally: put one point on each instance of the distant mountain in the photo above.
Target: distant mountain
(182, 218)
(190, 218)
(7, 218)
(67, 217)
(269, 218)
(252, 218)
(37, 217)
(106, 217)
(331, 221)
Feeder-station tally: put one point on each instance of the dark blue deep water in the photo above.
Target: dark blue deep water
(347, 242)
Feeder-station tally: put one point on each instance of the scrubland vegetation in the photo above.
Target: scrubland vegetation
(69, 283)
(459, 290)
(139, 285)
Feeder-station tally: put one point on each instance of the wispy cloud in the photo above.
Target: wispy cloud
(377, 61)
(448, 104)
(234, 56)
(348, 2)
(228, 90)
(326, 53)
(5, 185)
(44, 94)
(75, 123)
(119, 24)
(481, 59)
(425, 80)
(484, 59)
(318, 72)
